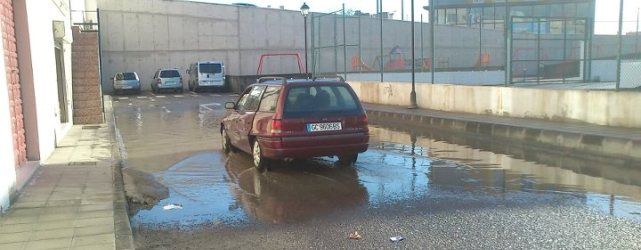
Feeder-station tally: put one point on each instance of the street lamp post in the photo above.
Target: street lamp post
(413, 103)
(304, 10)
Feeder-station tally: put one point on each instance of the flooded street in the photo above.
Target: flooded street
(435, 188)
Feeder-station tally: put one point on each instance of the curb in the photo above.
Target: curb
(123, 232)
(577, 142)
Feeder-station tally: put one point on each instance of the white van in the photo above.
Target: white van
(206, 74)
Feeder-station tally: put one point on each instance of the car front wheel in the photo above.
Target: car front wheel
(227, 147)
(260, 162)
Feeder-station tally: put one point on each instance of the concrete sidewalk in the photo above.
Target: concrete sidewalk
(72, 201)
(604, 140)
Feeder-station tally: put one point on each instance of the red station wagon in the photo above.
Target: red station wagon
(280, 119)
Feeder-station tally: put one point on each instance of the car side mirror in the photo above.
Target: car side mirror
(230, 105)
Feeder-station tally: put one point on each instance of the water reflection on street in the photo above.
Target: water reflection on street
(214, 188)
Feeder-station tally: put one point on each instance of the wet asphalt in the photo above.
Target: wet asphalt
(437, 190)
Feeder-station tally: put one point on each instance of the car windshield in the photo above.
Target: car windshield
(169, 73)
(211, 68)
(129, 76)
(306, 101)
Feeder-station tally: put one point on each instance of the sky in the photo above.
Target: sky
(607, 11)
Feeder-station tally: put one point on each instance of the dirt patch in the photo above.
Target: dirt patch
(142, 190)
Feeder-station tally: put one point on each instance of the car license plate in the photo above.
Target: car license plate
(319, 127)
(126, 87)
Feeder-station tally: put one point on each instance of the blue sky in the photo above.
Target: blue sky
(607, 11)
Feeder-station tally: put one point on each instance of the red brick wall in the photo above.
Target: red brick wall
(13, 81)
(87, 99)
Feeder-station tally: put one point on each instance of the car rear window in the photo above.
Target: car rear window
(306, 101)
(129, 76)
(169, 73)
(211, 68)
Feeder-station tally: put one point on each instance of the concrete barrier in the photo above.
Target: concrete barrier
(608, 108)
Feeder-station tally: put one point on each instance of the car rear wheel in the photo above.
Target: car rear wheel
(347, 160)
(260, 162)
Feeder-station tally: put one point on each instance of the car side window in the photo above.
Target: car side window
(270, 99)
(119, 76)
(156, 75)
(254, 98)
(240, 105)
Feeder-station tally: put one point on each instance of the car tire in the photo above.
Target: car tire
(347, 160)
(226, 143)
(260, 162)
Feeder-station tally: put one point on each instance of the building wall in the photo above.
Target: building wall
(146, 35)
(36, 52)
(12, 82)
(87, 97)
(7, 163)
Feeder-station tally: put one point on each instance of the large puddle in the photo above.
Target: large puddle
(217, 189)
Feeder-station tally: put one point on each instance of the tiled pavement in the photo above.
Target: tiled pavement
(69, 203)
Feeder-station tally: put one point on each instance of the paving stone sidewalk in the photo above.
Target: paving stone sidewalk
(69, 203)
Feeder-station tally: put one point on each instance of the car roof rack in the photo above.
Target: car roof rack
(338, 78)
(272, 78)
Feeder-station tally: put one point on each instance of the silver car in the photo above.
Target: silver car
(126, 81)
(167, 79)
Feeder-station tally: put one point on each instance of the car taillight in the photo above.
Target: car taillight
(276, 127)
(362, 121)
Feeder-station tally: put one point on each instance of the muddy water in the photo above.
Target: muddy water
(180, 150)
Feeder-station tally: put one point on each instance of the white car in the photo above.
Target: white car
(206, 74)
(126, 81)
(167, 79)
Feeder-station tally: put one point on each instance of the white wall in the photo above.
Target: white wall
(7, 165)
(38, 60)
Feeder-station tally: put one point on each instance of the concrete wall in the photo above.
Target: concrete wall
(146, 35)
(36, 56)
(7, 164)
(597, 107)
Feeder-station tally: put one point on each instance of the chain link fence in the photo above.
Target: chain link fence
(543, 44)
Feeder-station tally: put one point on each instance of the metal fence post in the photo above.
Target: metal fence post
(344, 45)
(507, 31)
(380, 16)
(313, 50)
(360, 47)
(433, 39)
(620, 45)
(422, 44)
(481, 39)
(335, 43)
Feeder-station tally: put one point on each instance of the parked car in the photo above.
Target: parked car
(126, 81)
(206, 74)
(167, 79)
(296, 119)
